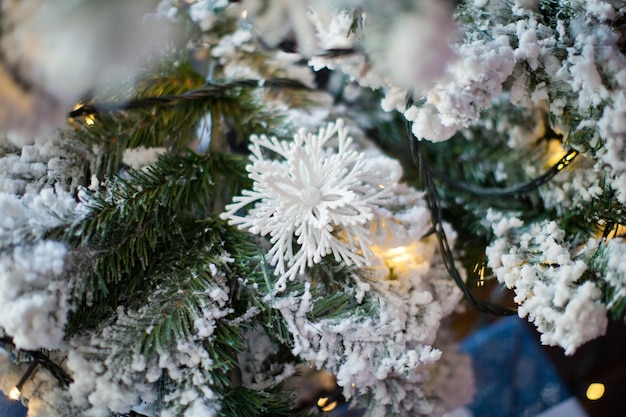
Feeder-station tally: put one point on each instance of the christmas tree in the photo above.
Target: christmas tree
(207, 204)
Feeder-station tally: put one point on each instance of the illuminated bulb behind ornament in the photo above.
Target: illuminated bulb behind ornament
(401, 259)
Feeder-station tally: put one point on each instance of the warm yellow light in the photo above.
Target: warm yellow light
(325, 406)
(480, 270)
(555, 152)
(14, 394)
(619, 231)
(90, 120)
(398, 256)
(595, 391)
(401, 259)
(244, 14)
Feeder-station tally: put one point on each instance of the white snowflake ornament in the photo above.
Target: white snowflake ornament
(312, 201)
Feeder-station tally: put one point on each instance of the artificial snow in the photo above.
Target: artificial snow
(473, 80)
(140, 157)
(547, 279)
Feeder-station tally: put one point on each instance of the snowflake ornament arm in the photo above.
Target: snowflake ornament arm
(313, 200)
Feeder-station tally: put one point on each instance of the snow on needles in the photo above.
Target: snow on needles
(385, 358)
(33, 303)
(34, 300)
(320, 196)
(548, 281)
(314, 196)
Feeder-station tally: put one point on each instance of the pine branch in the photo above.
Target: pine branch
(143, 216)
(476, 162)
(243, 402)
(333, 293)
(166, 111)
(262, 287)
(588, 218)
(613, 291)
(168, 316)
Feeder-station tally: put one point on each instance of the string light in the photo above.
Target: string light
(14, 394)
(595, 391)
(479, 269)
(325, 405)
(90, 118)
(16, 391)
(401, 259)
(617, 231)
(398, 255)
(244, 14)
(329, 400)
(567, 159)
(554, 152)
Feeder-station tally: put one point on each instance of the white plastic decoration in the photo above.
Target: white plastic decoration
(313, 200)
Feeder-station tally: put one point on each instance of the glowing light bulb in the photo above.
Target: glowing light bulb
(244, 14)
(398, 255)
(14, 394)
(479, 269)
(555, 152)
(595, 391)
(401, 259)
(325, 406)
(618, 231)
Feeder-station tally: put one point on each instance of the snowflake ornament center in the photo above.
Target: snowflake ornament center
(313, 200)
(310, 196)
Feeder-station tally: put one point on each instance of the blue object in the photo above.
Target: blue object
(514, 378)
(11, 408)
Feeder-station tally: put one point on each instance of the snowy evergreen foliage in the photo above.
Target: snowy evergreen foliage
(271, 186)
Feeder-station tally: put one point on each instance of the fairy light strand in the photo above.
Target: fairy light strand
(40, 358)
(516, 190)
(62, 377)
(433, 200)
(211, 90)
(17, 390)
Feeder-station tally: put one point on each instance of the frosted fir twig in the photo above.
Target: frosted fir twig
(548, 281)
